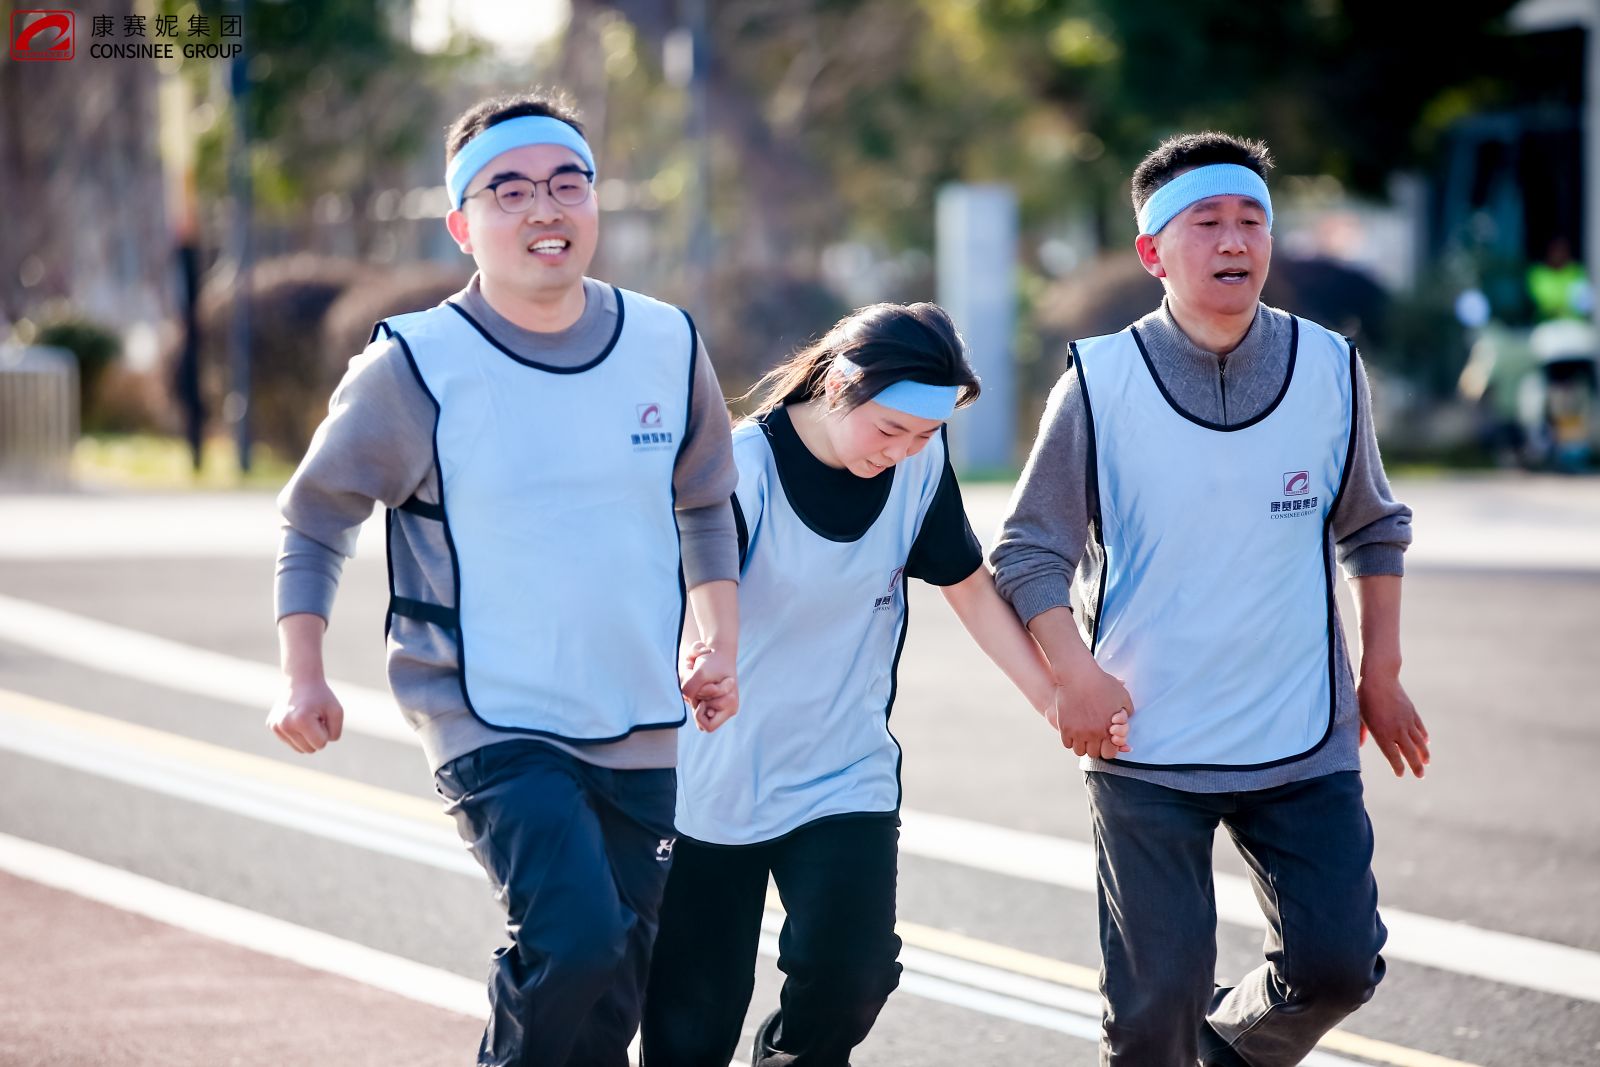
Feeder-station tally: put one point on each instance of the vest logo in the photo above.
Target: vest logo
(664, 850)
(42, 35)
(885, 602)
(1296, 488)
(650, 437)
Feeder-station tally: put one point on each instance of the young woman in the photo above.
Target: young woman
(845, 492)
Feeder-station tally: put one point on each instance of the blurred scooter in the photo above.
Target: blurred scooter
(1536, 390)
(1558, 404)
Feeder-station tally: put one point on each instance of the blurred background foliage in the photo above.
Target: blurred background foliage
(832, 125)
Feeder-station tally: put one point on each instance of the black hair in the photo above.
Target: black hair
(1187, 151)
(552, 103)
(890, 343)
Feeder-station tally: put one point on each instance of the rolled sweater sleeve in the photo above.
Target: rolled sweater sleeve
(703, 482)
(375, 446)
(1043, 536)
(1371, 529)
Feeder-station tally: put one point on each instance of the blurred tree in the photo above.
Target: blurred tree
(336, 94)
(883, 100)
(839, 119)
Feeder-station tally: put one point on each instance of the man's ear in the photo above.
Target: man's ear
(1149, 255)
(456, 223)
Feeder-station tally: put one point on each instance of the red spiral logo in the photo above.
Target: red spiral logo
(41, 35)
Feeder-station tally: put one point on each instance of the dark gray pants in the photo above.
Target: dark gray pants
(1309, 848)
(578, 855)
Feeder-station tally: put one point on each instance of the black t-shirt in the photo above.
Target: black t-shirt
(840, 506)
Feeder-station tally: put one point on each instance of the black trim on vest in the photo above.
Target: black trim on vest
(821, 820)
(894, 686)
(388, 561)
(423, 510)
(1331, 602)
(742, 528)
(1092, 479)
(677, 455)
(422, 611)
(593, 363)
(1288, 376)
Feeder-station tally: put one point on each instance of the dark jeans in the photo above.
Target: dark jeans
(578, 855)
(837, 948)
(1309, 848)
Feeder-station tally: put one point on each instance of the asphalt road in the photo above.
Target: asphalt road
(1502, 644)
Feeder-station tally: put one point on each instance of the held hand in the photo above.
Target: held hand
(1109, 749)
(1087, 705)
(1392, 720)
(307, 716)
(709, 685)
(1118, 741)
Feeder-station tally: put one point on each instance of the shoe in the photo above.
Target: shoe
(1215, 1052)
(761, 1049)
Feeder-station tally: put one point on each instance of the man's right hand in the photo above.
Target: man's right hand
(1086, 702)
(307, 716)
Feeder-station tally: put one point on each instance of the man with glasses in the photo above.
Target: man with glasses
(552, 450)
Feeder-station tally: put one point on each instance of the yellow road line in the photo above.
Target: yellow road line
(228, 760)
(320, 783)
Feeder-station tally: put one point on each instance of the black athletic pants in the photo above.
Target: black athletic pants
(837, 947)
(578, 855)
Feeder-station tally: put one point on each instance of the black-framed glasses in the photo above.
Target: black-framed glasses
(569, 188)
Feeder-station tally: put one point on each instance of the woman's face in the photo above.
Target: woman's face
(871, 438)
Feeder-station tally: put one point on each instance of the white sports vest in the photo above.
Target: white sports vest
(822, 625)
(1216, 600)
(558, 508)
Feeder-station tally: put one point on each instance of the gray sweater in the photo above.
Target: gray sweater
(376, 446)
(1042, 545)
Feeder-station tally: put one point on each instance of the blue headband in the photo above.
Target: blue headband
(937, 402)
(503, 137)
(1193, 186)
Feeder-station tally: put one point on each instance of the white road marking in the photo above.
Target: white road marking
(928, 975)
(234, 925)
(144, 657)
(941, 965)
(1501, 957)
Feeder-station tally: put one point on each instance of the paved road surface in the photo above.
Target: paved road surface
(179, 888)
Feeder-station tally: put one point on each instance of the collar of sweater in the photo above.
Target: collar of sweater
(1161, 331)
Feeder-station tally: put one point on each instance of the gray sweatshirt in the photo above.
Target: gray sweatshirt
(376, 446)
(1043, 543)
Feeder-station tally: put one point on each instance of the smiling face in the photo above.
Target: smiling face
(870, 438)
(542, 254)
(1213, 258)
